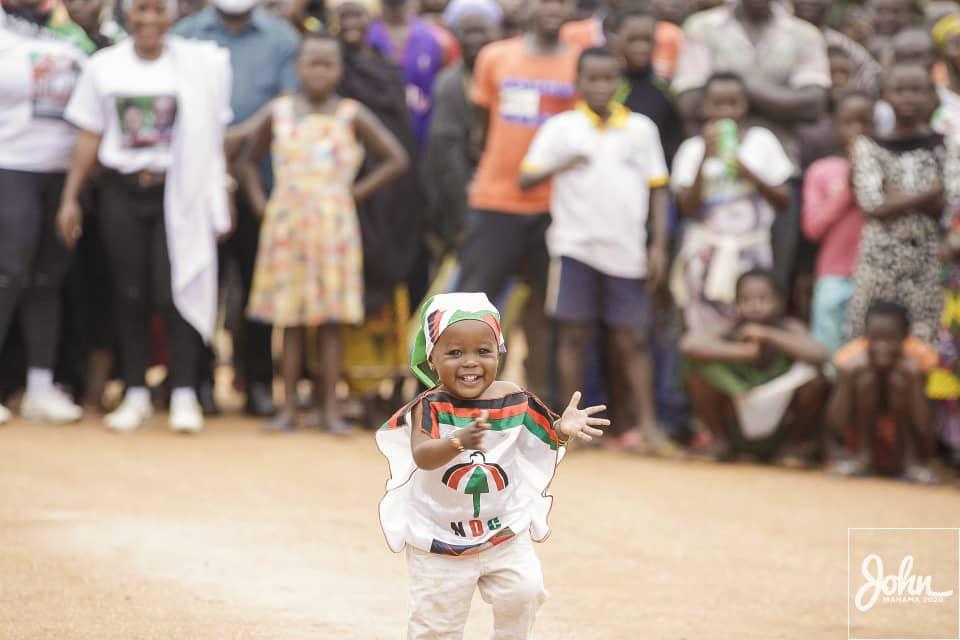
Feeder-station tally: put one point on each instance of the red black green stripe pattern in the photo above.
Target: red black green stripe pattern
(438, 546)
(520, 409)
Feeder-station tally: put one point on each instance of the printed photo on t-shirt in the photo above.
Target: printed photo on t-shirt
(146, 121)
(532, 102)
(54, 77)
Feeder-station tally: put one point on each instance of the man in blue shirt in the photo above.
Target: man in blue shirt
(263, 53)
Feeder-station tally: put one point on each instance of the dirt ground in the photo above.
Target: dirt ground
(236, 534)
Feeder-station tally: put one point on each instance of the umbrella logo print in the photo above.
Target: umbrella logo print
(476, 478)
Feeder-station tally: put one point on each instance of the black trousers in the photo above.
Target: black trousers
(33, 261)
(252, 344)
(135, 239)
(497, 246)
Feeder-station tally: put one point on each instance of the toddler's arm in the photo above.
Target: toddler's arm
(432, 453)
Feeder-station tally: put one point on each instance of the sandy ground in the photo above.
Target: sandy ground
(236, 534)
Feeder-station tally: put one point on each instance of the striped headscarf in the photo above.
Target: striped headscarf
(438, 313)
(946, 28)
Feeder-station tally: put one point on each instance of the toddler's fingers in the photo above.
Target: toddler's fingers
(574, 401)
(595, 409)
(592, 432)
(598, 422)
(481, 421)
(584, 436)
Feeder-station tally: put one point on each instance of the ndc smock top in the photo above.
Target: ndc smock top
(478, 499)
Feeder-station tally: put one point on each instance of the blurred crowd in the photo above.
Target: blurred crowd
(736, 223)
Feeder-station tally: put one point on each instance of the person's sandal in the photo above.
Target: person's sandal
(340, 428)
(920, 474)
(850, 468)
(281, 423)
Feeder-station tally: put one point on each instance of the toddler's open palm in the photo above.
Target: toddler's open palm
(580, 423)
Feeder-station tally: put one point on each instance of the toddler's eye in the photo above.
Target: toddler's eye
(484, 351)
(454, 353)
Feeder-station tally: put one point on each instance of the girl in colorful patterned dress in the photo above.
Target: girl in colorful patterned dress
(309, 270)
(471, 461)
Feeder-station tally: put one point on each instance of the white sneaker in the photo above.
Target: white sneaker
(186, 415)
(5, 414)
(52, 405)
(130, 415)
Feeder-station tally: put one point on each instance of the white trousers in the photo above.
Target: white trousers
(441, 588)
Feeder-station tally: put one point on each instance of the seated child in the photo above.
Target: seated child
(471, 461)
(879, 402)
(755, 381)
(604, 272)
(729, 182)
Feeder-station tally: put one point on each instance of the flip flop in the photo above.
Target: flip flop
(849, 468)
(281, 424)
(919, 474)
(340, 428)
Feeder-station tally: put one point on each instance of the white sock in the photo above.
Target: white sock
(139, 395)
(183, 394)
(39, 380)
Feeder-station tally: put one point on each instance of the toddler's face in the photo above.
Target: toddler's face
(466, 358)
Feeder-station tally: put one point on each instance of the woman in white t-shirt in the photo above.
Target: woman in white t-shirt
(37, 75)
(152, 110)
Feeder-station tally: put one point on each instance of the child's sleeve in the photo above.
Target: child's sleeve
(540, 424)
(826, 197)
(85, 110)
(765, 157)
(694, 64)
(687, 162)
(812, 69)
(657, 174)
(546, 150)
(867, 175)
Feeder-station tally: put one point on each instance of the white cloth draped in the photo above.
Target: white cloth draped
(195, 197)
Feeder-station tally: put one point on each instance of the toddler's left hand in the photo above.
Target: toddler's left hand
(577, 422)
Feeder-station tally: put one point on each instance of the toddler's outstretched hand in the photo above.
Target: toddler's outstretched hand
(577, 422)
